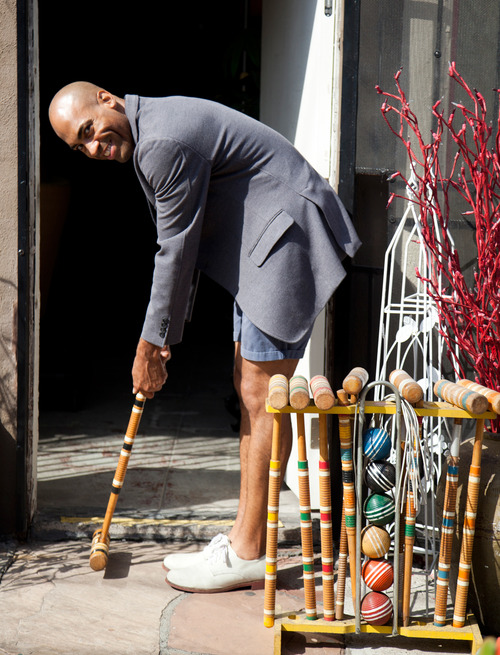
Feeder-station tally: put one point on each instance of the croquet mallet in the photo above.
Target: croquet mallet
(100, 539)
(277, 399)
(299, 400)
(352, 385)
(413, 393)
(324, 399)
(474, 403)
(448, 526)
(348, 526)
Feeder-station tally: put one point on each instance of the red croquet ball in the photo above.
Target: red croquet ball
(378, 574)
(376, 608)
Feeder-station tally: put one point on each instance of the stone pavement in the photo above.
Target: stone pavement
(52, 603)
(181, 489)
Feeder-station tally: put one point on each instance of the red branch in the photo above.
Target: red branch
(469, 319)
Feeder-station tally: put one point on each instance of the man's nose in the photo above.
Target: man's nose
(92, 148)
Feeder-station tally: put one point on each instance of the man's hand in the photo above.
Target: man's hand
(149, 371)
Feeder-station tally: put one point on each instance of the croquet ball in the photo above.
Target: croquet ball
(380, 476)
(379, 509)
(375, 541)
(376, 608)
(376, 443)
(377, 574)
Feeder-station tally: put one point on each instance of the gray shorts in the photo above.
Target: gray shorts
(257, 346)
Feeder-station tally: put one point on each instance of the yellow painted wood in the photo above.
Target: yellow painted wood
(442, 409)
(417, 629)
(130, 522)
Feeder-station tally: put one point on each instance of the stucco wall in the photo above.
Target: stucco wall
(8, 259)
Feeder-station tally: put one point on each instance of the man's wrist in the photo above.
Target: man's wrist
(147, 349)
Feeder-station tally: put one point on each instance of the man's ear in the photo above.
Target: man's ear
(106, 98)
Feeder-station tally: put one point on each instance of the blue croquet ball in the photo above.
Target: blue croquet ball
(380, 476)
(379, 509)
(376, 443)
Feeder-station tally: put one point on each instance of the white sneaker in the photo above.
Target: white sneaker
(181, 560)
(221, 570)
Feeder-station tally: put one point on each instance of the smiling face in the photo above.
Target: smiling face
(92, 121)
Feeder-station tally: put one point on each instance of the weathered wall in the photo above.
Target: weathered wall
(8, 260)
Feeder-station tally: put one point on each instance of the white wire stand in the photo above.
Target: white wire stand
(409, 339)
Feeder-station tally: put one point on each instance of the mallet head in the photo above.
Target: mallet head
(99, 552)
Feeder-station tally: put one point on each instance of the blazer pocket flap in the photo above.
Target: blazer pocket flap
(273, 231)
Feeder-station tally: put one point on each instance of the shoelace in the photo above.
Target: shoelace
(217, 549)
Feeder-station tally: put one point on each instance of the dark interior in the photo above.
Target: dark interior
(98, 238)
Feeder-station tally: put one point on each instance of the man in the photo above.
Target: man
(234, 199)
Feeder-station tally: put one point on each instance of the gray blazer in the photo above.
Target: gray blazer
(235, 199)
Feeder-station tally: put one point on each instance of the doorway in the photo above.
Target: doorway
(97, 237)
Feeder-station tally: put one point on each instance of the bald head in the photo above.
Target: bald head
(92, 120)
(71, 96)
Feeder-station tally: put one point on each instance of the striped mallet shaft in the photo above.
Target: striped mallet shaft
(408, 554)
(100, 539)
(278, 391)
(341, 571)
(299, 392)
(407, 386)
(306, 532)
(348, 485)
(413, 393)
(273, 500)
(464, 565)
(355, 381)
(400, 554)
(447, 527)
(492, 396)
(472, 402)
(323, 395)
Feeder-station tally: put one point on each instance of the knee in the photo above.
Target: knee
(252, 394)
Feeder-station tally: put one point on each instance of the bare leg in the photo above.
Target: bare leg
(251, 379)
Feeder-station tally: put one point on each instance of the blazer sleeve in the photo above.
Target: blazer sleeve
(179, 178)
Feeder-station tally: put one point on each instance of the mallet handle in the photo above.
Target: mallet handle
(324, 399)
(469, 529)
(412, 392)
(409, 542)
(100, 541)
(460, 396)
(342, 570)
(273, 501)
(447, 528)
(306, 531)
(121, 469)
(408, 554)
(349, 502)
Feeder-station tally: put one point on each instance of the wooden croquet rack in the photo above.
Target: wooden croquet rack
(418, 629)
